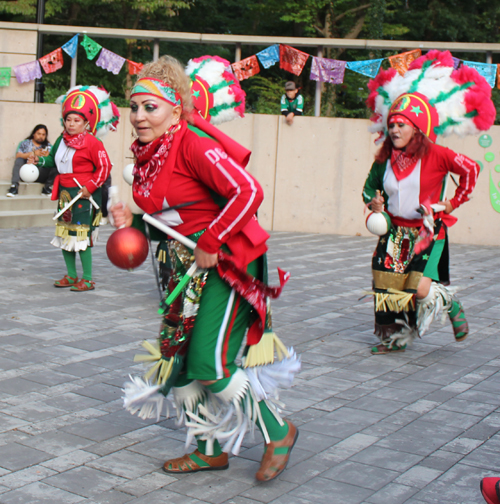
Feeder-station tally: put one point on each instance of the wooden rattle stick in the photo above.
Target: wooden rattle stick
(186, 242)
(92, 200)
(68, 206)
(113, 197)
(169, 231)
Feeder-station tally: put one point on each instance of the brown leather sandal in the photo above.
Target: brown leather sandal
(272, 464)
(186, 464)
(83, 285)
(66, 281)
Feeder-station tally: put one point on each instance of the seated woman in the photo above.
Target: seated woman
(39, 144)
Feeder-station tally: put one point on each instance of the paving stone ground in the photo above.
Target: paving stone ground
(418, 427)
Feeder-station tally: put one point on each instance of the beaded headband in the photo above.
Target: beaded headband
(156, 87)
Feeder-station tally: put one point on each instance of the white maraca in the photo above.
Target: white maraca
(29, 173)
(127, 174)
(378, 223)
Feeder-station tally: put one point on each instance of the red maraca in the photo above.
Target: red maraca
(127, 248)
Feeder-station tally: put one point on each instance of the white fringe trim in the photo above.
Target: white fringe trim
(267, 380)
(142, 397)
(188, 398)
(72, 244)
(438, 301)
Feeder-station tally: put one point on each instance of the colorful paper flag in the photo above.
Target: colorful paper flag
(327, 70)
(110, 61)
(369, 68)
(71, 46)
(134, 68)
(269, 56)
(53, 61)
(456, 62)
(246, 68)
(292, 60)
(28, 71)
(91, 47)
(5, 73)
(401, 62)
(487, 70)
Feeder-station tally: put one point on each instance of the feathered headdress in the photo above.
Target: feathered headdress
(456, 101)
(94, 104)
(216, 93)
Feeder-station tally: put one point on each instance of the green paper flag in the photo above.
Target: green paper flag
(91, 47)
(5, 73)
(494, 195)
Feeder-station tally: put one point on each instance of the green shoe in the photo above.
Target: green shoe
(385, 349)
(458, 321)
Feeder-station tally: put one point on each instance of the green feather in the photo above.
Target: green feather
(214, 111)
(444, 96)
(196, 70)
(100, 124)
(385, 95)
(439, 130)
(471, 114)
(104, 103)
(221, 85)
(415, 83)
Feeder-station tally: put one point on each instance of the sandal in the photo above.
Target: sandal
(186, 464)
(66, 281)
(460, 324)
(83, 285)
(384, 349)
(273, 464)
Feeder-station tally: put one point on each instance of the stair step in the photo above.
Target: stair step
(26, 202)
(33, 189)
(10, 219)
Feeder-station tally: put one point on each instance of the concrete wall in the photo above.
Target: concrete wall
(312, 172)
(17, 47)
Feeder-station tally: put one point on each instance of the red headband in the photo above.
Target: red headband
(398, 118)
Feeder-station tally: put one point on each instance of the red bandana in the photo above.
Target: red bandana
(76, 142)
(402, 163)
(150, 159)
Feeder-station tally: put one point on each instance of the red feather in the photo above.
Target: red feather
(382, 78)
(442, 58)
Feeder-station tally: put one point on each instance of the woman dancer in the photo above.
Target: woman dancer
(179, 163)
(83, 165)
(408, 181)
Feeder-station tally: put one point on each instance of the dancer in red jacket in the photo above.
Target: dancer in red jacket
(179, 162)
(408, 182)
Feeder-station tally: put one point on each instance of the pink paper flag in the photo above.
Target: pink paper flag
(110, 61)
(28, 71)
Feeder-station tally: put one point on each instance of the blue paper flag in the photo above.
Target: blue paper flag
(369, 68)
(71, 46)
(488, 71)
(269, 56)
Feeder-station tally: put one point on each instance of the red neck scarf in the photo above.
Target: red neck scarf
(77, 141)
(150, 159)
(402, 163)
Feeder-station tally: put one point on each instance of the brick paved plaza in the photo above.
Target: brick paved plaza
(417, 427)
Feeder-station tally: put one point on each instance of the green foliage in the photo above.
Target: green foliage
(427, 20)
(264, 95)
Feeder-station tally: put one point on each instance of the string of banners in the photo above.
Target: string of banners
(53, 61)
(290, 59)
